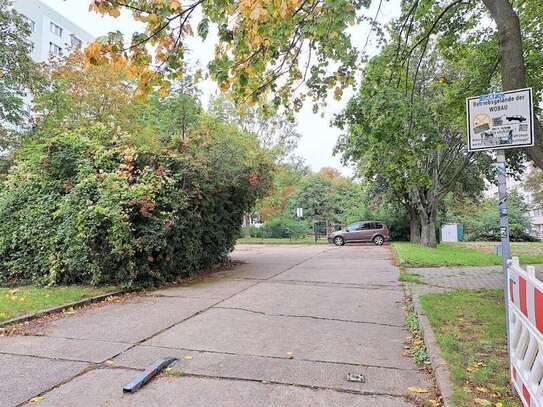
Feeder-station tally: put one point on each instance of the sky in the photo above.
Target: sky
(318, 136)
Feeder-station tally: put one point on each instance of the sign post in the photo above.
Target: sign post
(495, 122)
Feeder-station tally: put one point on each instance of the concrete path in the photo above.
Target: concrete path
(284, 328)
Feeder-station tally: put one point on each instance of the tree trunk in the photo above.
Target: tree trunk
(427, 203)
(428, 233)
(414, 224)
(513, 72)
(414, 230)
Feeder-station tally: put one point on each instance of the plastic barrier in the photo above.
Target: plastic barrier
(526, 333)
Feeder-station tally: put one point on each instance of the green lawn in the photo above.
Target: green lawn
(470, 329)
(258, 240)
(462, 254)
(19, 301)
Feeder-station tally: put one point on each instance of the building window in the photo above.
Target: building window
(55, 29)
(75, 43)
(30, 22)
(54, 49)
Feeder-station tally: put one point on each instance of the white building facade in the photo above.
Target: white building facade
(52, 33)
(536, 209)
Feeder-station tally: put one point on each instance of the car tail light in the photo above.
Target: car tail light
(387, 232)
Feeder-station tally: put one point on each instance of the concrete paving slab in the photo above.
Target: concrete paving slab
(255, 271)
(250, 333)
(360, 251)
(354, 275)
(278, 254)
(354, 304)
(285, 371)
(216, 287)
(340, 263)
(100, 388)
(23, 377)
(394, 287)
(128, 322)
(61, 348)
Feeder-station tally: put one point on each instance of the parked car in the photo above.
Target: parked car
(364, 231)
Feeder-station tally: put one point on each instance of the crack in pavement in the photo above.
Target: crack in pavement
(365, 286)
(311, 317)
(48, 358)
(305, 386)
(280, 358)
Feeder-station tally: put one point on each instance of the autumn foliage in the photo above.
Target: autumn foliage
(111, 188)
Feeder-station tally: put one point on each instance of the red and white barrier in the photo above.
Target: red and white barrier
(526, 333)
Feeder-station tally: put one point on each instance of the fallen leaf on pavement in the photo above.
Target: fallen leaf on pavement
(36, 399)
(188, 357)
(416, 389)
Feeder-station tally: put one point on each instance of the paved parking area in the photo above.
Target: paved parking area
(284, 328)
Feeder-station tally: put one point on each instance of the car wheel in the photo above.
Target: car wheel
(379, 240)
(338, 241)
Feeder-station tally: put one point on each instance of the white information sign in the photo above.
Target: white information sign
(500, 120)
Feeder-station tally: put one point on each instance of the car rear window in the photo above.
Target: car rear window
(377, 225)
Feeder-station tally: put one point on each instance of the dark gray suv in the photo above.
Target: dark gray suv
(363, 231)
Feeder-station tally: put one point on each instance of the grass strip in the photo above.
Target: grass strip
(24, 300)
(469, 326)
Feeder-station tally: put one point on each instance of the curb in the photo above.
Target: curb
(439, 365)
(60, 308)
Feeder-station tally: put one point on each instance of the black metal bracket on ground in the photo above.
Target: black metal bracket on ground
(148, 374)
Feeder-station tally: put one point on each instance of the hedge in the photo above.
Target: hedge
(93, 206)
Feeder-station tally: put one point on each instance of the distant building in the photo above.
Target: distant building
(535, 211)
(52, 33)
(536, 216)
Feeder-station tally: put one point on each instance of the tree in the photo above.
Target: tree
(260, 44)
(18, 74)
(329, 197)
(513, 47)
(482, 222)
(275, 132)
(79, 94)
(534, 183)
(259, 50)
(408, 141)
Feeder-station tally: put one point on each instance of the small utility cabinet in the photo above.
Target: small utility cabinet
(452, 232)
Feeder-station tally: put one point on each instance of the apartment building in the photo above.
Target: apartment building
(535, 210)
(52, 33)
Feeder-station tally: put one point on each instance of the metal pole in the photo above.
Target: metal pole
(504, 233)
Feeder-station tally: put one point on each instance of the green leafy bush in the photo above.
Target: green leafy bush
(93, 206)
(282, 226)
(482, 222)
(253, 231)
